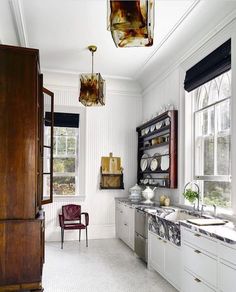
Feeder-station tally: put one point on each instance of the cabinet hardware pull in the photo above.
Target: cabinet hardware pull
(125, 224)
(197, 280)
(164, 241)
(159, 238)
(196, 234)
(121, 211)
(197, 251)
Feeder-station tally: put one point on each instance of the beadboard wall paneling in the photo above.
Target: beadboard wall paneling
(163, 93)
(108, 129)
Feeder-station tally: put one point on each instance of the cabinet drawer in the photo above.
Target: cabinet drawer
(227, 278)
(193, 284)
(227, 253)
(200, 264)
(199, 240)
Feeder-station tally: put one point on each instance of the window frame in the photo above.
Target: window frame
(215, 178)
(69, 174)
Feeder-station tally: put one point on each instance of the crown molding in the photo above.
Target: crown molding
(76, 73)
(216, 36)
(165, 39)
(74, 89)
(19, 23)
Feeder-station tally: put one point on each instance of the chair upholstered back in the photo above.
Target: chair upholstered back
(71, 212)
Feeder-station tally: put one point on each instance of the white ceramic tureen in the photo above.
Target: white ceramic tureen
(148, 194)
(135, 193)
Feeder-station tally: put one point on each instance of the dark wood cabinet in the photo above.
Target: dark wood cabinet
(21, 169)
(157, 151)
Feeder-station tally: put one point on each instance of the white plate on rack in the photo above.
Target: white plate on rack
(165, 161)
(152, 128)
(146, 180)
(154, 164)
(146, 130)
(144, 162)
(158, 125)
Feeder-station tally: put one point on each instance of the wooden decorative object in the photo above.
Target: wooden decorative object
(111, 173)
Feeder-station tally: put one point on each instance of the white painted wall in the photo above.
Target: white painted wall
(168, 89)
(108, 129)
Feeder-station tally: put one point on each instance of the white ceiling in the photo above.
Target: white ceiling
(62, 30)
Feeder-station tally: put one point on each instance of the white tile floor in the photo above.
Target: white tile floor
(107, 265)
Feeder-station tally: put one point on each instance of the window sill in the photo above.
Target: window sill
(58, 198)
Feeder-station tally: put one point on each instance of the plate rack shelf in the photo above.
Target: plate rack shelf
(158, 135)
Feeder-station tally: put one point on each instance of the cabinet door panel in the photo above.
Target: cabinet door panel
(131, 215)
(173, 263)
(193, 284)
(227, 278)
(200, 263)
(156, 252)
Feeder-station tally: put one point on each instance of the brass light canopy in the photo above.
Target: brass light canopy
(131, 22)
(92, 86)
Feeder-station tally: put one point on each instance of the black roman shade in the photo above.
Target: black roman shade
(67, 120)
(213, 65)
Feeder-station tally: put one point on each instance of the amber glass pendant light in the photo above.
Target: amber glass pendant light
(92, 86)
(131, 22)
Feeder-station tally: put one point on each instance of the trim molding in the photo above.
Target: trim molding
(19, 24)
(72, 88)
(165, 39)
(186, 60)
(78, 73)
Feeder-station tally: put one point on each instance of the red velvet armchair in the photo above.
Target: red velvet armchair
(69, 214)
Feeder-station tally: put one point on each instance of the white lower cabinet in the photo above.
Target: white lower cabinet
(227, 268)
(164, 257)
(125, 218)
(193, 284)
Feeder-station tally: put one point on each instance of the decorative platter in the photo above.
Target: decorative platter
(165, 161)
(144, 162)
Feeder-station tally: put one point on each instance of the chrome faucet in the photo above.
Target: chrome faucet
(214, 206)
(202, 209)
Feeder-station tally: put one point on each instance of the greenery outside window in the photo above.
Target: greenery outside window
(212, 140)
(65, 161)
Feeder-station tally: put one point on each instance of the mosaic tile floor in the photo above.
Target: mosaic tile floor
(107, 265)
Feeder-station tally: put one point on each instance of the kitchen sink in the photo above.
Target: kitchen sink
(180, 215)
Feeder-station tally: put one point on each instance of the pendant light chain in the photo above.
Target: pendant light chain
(92, 62)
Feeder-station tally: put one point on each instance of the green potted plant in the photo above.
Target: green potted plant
(190, 195)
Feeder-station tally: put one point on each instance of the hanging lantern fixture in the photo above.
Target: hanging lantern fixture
(92, 86)
(131, 22)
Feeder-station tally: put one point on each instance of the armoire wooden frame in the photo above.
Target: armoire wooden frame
(21, 169)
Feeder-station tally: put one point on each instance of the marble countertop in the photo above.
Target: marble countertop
(225, 233)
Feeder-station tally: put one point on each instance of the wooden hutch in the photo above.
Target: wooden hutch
(21, 169)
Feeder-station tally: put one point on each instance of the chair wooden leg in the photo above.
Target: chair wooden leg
(62, 237)
(86, 237)
(79, 234)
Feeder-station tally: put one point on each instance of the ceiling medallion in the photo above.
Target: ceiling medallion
(131, 22)
(92, 86)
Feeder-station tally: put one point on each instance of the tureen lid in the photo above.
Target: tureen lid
(136, 187)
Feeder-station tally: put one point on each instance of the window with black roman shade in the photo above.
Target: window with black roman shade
(213, 65)
(66, 120)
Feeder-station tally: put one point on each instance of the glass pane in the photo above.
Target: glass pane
(213, 92)
(61, 145)
(225, 85)
(223, 116)
(64, 185)
(223, 155)
(62, 165)
(47, 136)
(218, 193)
(46, 187)
(46, 159)
(71, 145)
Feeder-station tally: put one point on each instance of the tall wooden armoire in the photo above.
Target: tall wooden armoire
(21, 169)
